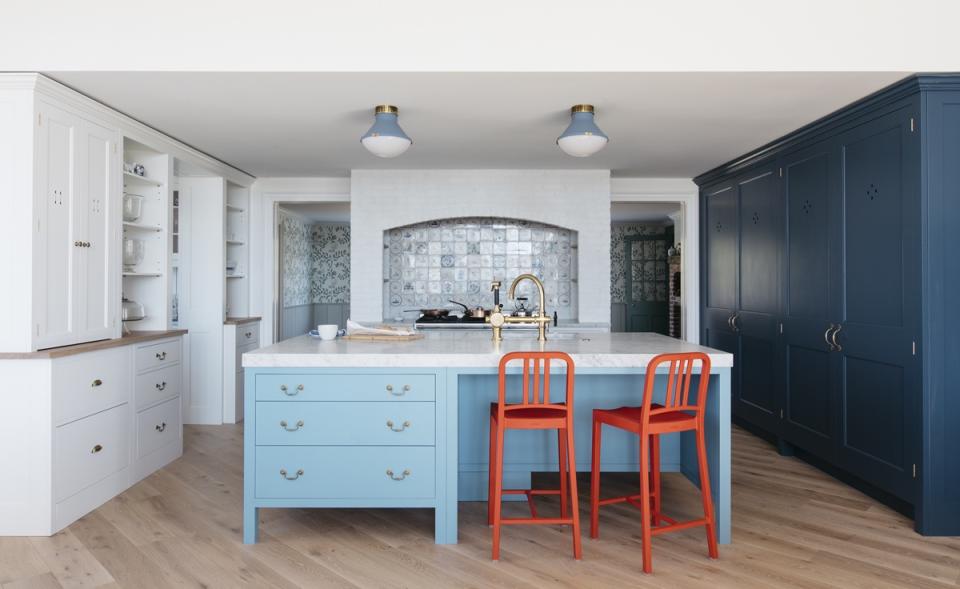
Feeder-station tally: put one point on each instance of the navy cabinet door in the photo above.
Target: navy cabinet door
(719, 295)
(811, 184)
(760, 216)
(878, 376)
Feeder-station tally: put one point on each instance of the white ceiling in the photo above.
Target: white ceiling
(309, 124)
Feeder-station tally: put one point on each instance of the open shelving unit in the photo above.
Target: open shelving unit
(147, 281)
(237, 258)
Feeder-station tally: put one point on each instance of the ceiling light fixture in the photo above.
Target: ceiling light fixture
(583, 137)
(385, 138)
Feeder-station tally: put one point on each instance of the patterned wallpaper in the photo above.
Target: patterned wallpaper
(316, 262)
(330, 254)
(428, 263)
(296, 257)
(653, 265)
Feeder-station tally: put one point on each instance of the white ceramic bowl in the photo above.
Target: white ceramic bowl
(327, 332)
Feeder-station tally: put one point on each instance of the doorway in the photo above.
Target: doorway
(645, 268)
(313, 266)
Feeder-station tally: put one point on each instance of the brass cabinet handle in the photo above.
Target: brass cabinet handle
(733, 321)
(97, 382)
(730, 322)
(833, 338)
(406, 389)
(283, 473)
(403, 475)
(286, 391)
(161, 385)
(298, 425)
(160, 428)
(96, 449)
(402, 427)
(161, 355)
(826, 337)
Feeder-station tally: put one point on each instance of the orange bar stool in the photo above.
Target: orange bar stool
(650, 421)
(535, 411)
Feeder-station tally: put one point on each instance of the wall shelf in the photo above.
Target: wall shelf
(141, 180)
(142, 274)
(235, 209)
(235, 242)
(142, 226)
(236, 275)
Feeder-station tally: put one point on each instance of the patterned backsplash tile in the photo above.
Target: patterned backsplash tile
(427, 264)
(649, 263)
(316, 262)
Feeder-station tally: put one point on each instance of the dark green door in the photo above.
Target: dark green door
(646, 282)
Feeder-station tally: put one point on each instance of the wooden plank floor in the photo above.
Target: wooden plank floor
(793, 527)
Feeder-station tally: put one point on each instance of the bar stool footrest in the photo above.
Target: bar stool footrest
(677, 526)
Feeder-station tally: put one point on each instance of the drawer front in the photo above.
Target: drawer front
(346, 387)
(156, 355)
(89, 383)
(347, 424)
(90, 449)
(158, 426)
(157, 385)
(344, 472)
(248, 333)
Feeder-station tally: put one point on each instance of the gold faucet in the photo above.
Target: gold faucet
(497, 319)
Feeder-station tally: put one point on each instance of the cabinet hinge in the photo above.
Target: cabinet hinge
(912, 125)
(914, 471)
(913, 347)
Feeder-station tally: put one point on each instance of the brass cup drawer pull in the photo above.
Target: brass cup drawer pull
(286, 391)
(299, 473)
(163, 426)
(393, 427)
(96, 449)
(298, 425)
(161, 356)
(403, 475)
(96, 383)
(161, 385)
(403, 391)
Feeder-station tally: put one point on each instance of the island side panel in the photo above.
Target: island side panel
(445, 524)
(250, 511)
(718, 451)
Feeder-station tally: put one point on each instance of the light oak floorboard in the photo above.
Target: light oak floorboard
(181, 527)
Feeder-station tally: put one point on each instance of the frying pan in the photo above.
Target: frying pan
(476, 313)
(432, 313)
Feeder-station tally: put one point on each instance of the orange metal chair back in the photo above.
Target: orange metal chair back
(678, 385)
(536, 381)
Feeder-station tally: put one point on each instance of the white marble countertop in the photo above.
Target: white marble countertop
(474, 350)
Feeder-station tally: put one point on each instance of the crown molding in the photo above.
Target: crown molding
(129, 127)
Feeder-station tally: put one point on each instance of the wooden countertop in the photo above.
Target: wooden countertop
(134, 337)
(239, 320)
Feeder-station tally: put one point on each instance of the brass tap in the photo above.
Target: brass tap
(497, 319)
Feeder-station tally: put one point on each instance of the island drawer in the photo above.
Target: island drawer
(345, 423)
(346, 387)
(344, 472)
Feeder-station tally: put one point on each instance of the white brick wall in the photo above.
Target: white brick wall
(575, 199)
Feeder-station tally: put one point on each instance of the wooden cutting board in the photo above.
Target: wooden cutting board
(373, 337)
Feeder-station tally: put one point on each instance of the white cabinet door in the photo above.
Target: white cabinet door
(56, 263)
(99, 220)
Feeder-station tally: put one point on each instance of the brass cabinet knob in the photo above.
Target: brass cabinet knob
(96, 449)
(97, 382)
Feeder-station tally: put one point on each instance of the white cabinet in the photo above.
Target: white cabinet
(82, 428)
(77, 224)
(239, 336)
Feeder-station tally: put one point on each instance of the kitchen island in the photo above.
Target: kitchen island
(404, 424)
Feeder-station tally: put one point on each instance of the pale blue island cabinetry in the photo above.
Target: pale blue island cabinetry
(371, 424)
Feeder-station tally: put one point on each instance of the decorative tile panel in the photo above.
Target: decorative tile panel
(316, 262)
(429, 263)
(650, 264)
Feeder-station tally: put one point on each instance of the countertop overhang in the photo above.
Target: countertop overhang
(474, 350)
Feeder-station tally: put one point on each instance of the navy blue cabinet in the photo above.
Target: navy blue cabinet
(830, 270)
